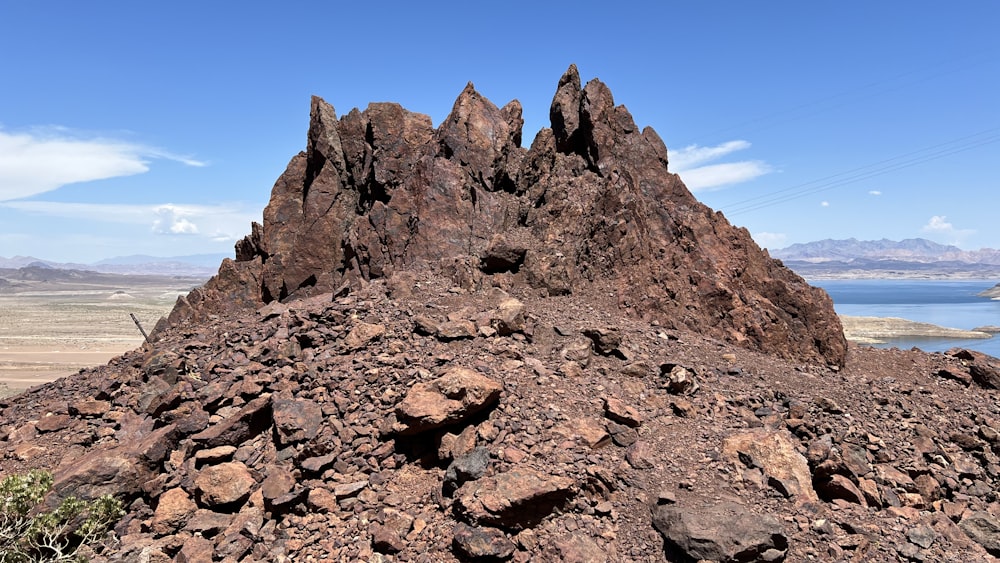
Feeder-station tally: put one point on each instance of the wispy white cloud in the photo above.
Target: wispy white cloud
(691, 163)
(716, 176)
(215, 222)
(874, 192)
(45, 159)
(939, 225)
(770, 240)
(824, 204)
(695, 155)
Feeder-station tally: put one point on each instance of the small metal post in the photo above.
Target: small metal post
(136, 321)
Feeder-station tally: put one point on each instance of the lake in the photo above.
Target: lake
(952, 304)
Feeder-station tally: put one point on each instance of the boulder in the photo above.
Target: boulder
(224, 484)
(775, 453)
(516, 499)
(250, 421)
(173, 509)
(482, 544)
(984, 529)
(296, 420)
(449, 399)
(725, 532)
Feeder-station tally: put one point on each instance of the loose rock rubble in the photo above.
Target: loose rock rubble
(411, 416)
(273, 440)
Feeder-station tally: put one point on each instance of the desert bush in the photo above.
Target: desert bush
(30, 534)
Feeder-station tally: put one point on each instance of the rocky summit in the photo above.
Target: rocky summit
(440, 346)
(590, 209)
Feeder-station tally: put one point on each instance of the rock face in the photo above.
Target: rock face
(591, 206)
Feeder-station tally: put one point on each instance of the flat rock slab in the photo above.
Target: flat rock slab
(984, 529)
(449, 399)
(250, 421)
(724, 532)
(516, 499)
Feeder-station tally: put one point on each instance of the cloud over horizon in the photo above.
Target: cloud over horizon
(229, 222)
(939, 225)
(46, 159)
(770, 240)
(690, 163)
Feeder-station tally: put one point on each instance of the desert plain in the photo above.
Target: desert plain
(55, 322)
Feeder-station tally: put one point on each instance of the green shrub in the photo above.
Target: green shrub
(30, 534)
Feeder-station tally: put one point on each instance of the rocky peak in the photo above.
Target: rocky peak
(590, 207)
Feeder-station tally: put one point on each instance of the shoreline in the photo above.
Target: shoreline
(878, 330)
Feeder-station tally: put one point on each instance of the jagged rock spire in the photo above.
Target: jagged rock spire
(590, 204)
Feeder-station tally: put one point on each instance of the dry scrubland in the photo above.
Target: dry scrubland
(50, 328)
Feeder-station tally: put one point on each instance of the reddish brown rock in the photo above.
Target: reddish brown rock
(592, 200)
(53, 422)
(389, 536)
(482, 544)
(279, 390)
(509, 317)
(578, 548)
(296, 420)
(119, 470)
(277, 488)
(449, 399)
(775, 454)
(984, 369)
(196, 550)
(724, 532)
(618, 411)
(362, 334)
(224, 484)
(251, 420)
(840, 487)
(173, 509)
(587, 431)
(89, 408)
(516, 499)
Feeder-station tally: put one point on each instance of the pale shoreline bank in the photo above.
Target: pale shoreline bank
(878, 330)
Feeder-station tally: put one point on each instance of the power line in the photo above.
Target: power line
(847, 97)
(882, 167)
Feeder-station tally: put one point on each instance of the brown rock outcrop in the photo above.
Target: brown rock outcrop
(590, 206)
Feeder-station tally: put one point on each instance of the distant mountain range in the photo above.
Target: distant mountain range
(204, 265)
(915, 257)
(849, 258)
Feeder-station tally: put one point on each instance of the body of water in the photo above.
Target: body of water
(951, 304)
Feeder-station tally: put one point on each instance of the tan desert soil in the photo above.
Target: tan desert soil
(50, 328)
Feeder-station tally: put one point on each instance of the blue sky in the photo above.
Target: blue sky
(159, 128)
